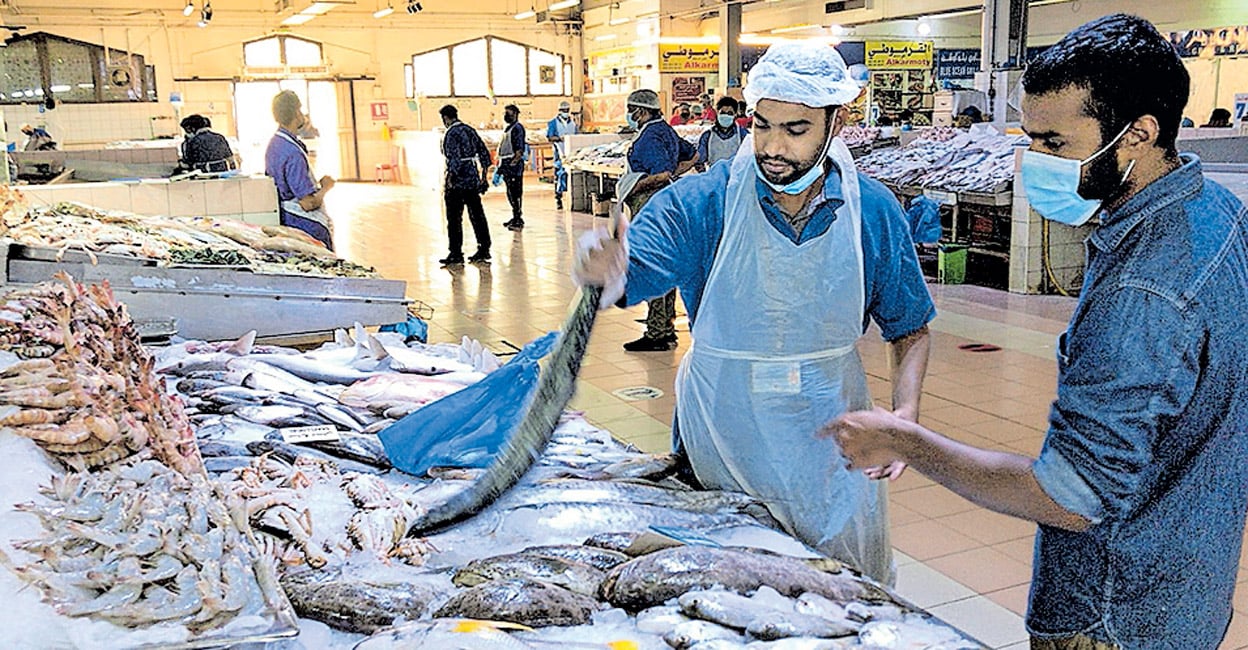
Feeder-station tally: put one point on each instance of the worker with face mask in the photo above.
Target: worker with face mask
(783, 256)
(557, 131)
(723, 140)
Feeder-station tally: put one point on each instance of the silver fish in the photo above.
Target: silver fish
(315, 370)
(724, 608)
(690, 633)
(178, 361)
(783, 625)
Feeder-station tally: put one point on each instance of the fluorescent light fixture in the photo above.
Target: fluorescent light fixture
(298, 19)
(525, 15)
(563, 4)
(836, 30)
(924, 28)
(86, 85)
(382, 13)
(794, 28)
(690, 40)
(616, 22)
(188, 9)
(606, 37)
(319, 8)
(60, 89)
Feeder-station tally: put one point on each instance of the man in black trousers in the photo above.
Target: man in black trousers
(467, 166)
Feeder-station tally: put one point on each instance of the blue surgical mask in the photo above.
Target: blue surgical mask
(1052, 184)
(806, 180)
(725, 121)
(632, 121)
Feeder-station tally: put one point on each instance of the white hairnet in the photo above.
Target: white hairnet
(644, 99)
(565, 105)
(810, 74)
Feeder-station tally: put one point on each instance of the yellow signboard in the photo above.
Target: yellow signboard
(899, 55)
(688, 57)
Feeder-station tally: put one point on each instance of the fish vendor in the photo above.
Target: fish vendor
(783, 257)
(1140, 488)
(301, 198)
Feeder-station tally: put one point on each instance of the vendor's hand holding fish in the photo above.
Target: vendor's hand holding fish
(602, 261)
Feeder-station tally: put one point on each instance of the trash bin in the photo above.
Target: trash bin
(951, 264)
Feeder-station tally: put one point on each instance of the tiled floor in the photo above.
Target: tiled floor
(969, 566)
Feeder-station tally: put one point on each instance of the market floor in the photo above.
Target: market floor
(964, 564)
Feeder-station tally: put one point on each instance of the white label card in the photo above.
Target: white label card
(776, 377)
(318, 433)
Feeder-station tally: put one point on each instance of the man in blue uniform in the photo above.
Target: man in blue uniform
(783, 257)
(557, 130)
(301, 198)
(723, 140)
(467, 178)
(657, 157)
(511, 165)
(1141, 486)
(203, 148)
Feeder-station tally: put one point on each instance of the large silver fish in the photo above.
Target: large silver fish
(555, 387)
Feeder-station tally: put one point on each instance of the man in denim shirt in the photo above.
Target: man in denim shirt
(1141, 487)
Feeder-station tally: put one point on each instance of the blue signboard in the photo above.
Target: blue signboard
(957, 64)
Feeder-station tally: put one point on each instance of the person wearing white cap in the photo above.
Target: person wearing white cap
(783, 257)
(558, 128)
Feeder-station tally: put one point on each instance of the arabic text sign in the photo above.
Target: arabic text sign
(1207, 43)
(957, 64)
(676, 57)
(899, 55)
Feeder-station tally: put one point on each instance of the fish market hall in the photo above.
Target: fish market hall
(462, 345)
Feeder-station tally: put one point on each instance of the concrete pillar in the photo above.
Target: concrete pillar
(730, 46)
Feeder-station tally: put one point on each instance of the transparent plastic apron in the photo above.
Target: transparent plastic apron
(773, 359)
(718, 149)
(291, 206)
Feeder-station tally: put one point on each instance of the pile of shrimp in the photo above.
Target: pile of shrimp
(84, 388)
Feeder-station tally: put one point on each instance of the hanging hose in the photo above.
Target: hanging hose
(1046, 262)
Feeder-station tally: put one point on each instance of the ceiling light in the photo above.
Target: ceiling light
(836, 30)
(414, 7)
(188, 9)
(924, 27)
(298, 19)
(563, 4)
(319, 8)
(382, 13)
(205, 15)
(794, 28)
(525, 15)
(606, 37)
(616, 22)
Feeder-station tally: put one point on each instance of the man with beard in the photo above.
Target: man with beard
(511, 165)
(783, 256)
(1141, 487)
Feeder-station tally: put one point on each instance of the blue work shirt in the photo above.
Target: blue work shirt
(287, 163)
(673, 240)
(1148, 438)
(515, 135)
(464, 151)
(557, 128)
(704, 142)
(658, 149)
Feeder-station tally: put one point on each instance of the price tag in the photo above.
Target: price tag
(318, 433)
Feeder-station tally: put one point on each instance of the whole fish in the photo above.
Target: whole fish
(179, 360)
(276, 415)
(223, 464)
(391, 387)
(315, 370)
(356, 605)
(659, 620)
(655, 578)
(520, 601)
(402, 359)
(583, 491)
(555, 387)
(783, 625)
(598, 558)
(358, 448)
(191, 386)
(254, 372)
(574, 576)
(633, 544)
(690, 633)
(289, 453)
(724, 608)
(339, 416)
(216, 448)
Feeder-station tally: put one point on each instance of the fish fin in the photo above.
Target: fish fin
(378, 349)
(342, 339)
(243, 345)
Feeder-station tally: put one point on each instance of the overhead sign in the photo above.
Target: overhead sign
(688, 89)
(686, 57)
(957, 64)
(899, 55)
(1208, 43)
(1241, 108)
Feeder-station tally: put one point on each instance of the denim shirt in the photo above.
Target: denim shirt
(1148, 438)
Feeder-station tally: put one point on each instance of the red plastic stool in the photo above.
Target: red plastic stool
(390, 170)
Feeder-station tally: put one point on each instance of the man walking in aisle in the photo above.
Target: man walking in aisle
(467, 168)
(1141, 486)
(557, 131)
(511, 165)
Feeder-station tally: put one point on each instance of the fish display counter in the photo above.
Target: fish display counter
(250, 500)
(210, 274)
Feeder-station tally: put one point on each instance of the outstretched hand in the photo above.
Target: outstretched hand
(867, 440)
(601, 259)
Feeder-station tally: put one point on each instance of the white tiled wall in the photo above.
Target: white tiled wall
(250, 199)
(1065, 247)
(78, 126)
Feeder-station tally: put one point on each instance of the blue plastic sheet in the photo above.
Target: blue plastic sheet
(412, 329)
(467, 428)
